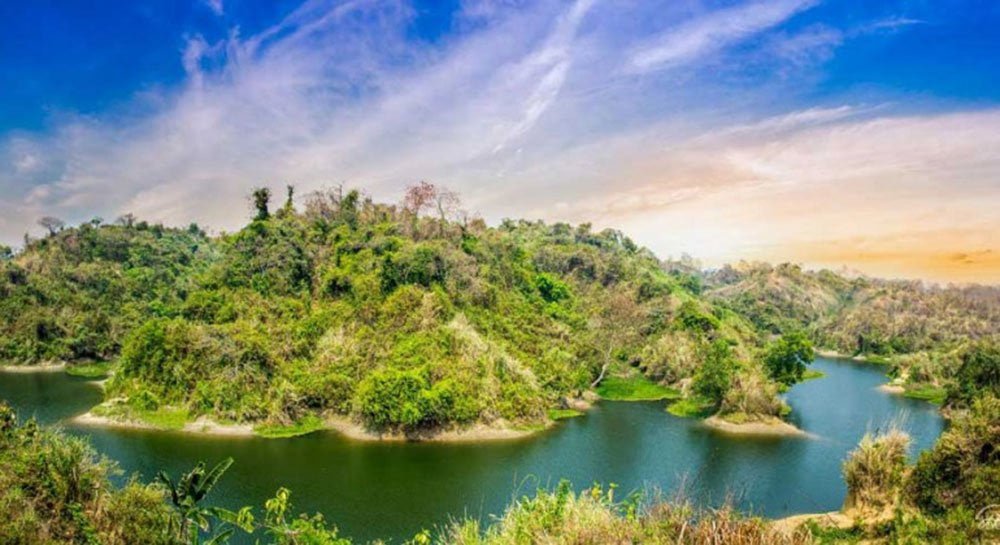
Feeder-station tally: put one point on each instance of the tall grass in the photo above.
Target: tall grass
(875, 470)
(594, 517)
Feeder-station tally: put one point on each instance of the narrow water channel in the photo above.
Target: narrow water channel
(392, 490)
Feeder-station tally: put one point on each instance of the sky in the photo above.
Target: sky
(844, 134)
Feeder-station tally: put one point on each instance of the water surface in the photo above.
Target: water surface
(393, 490)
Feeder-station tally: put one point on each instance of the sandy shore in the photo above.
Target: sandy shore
(833, 519)
(838, 355)
(478, 432)
(38, 368)
(206, 425)
(890, 388)
(342, 425)
(774, 427)
(201, 425)
(90, 419)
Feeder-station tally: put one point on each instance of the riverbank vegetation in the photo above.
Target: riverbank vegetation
(56, 489)
(924, 334)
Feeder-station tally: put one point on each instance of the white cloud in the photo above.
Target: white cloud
(713, 32)
(216, 6)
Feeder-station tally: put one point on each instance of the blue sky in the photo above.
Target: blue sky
(832, 133)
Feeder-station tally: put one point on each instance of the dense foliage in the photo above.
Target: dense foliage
(407, 318)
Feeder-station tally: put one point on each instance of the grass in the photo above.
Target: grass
(304, 426)
(692, 407)
(874, 471)
(635, 388)
(97, 369)
(562, 414)
(167, 418)
(811, 374)
(932, 394)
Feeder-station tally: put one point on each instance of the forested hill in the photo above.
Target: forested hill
(414, 316)
(923, 331)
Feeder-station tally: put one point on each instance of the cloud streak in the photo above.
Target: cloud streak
(713, 32)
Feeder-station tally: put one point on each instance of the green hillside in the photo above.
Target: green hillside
(405, 318)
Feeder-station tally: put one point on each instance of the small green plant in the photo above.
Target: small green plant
(187, 495)
(303, 426)
(562, 414)
(635, 388)
(92, 370)
(692, 407)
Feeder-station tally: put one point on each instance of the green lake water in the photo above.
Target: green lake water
(393, 490)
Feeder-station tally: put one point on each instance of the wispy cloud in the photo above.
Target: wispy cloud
(713, 32)
(215, 5)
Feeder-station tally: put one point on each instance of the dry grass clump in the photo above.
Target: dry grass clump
(875, 470)
(752, 394)
(594, 518)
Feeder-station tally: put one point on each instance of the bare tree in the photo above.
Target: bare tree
(419, 196)
(427, 196)
(126, 220)
(53, 224)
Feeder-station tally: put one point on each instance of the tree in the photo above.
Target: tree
(786, 358)
(126, 220)
(261, 197)
(53, 224)
(418, 197)
(427, 196)
(715, 376)
(978, 374)
(6, 252)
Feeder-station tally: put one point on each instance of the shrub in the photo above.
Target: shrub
(963, 467)
(690, 317)
(874, 471)
(405, 400)
(786, 358)
(978, 374)
(551, 288)
(713, 379)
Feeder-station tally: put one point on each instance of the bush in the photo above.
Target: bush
(874, 471)
(714, 378)
(406, 401)
(690, 317)
(786, 358)
(963, 467)
(978, 374)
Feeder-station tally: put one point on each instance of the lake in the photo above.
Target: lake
(393, 490)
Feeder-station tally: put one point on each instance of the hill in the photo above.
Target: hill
(416, 318)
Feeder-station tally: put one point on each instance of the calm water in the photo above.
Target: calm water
(393, 490)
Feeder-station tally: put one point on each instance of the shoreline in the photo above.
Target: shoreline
(339, 424)
(833, 519)
(774, 428)
(892, 389)
(47, 367)
(472, 434)
(201, 425)
(834, 354)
